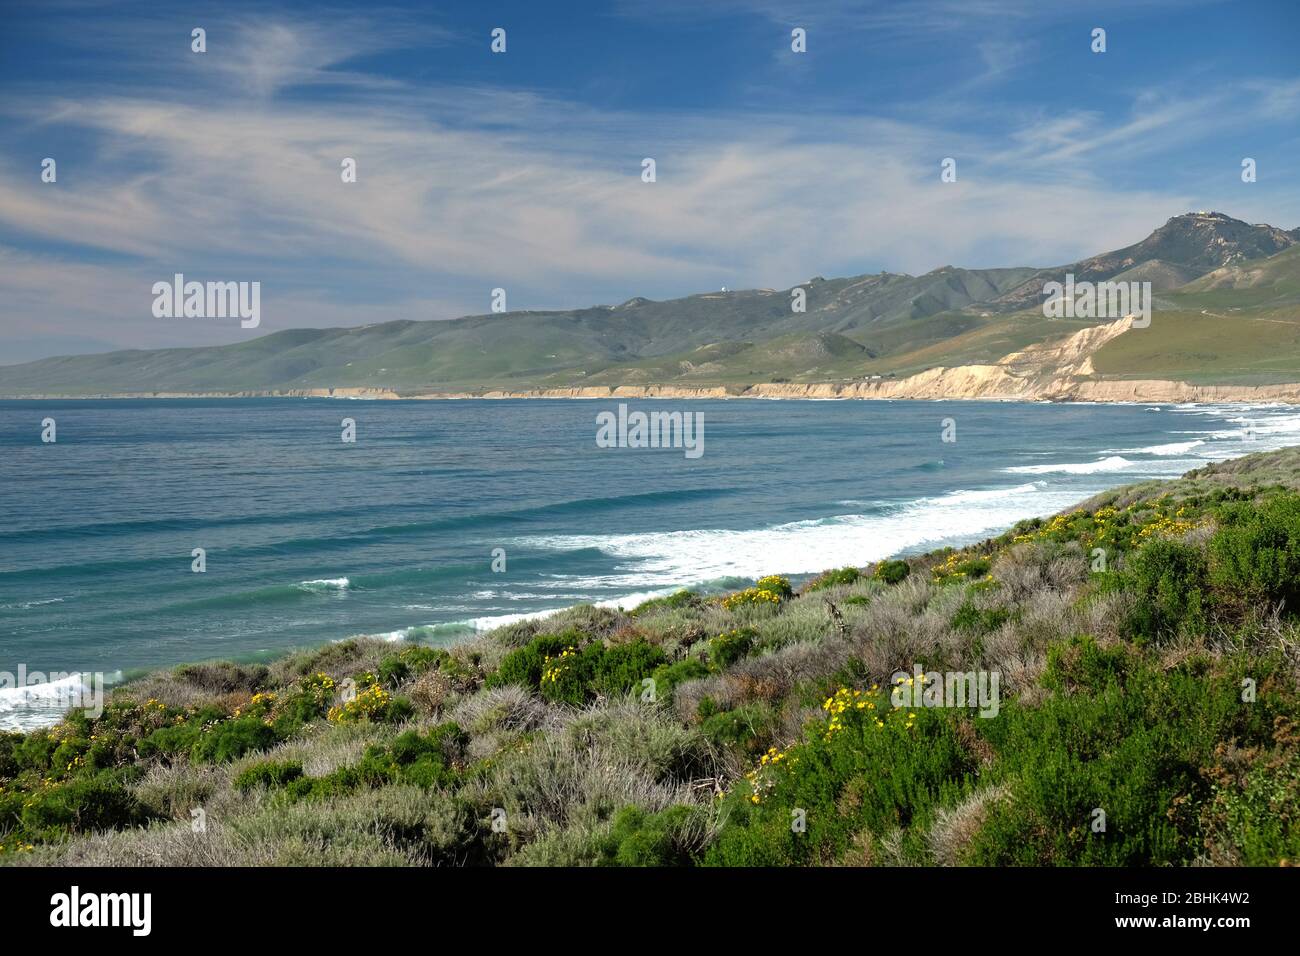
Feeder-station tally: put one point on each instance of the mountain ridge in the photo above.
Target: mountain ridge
(870, 327)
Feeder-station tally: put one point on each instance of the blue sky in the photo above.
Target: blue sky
(522, 170)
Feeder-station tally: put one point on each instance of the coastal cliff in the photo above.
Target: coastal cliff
(1059, 372)
(1050, 372)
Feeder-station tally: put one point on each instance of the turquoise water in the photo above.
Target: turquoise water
(309, 539)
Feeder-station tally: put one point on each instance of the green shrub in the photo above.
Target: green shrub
(100, 801)
(309, 699)
(1129, 744)
(525, 664)
(777, 584)
(752, 597)
(891, 572)
(231, 739)
(1168, 578)
(747, 729)
(668, 676)
(577, 676)
(726, 649)
(869, 769)
(9, 743)
(830, 579)
(421, 760)
(624, 666)
(427, 760)
(678, 599)
(959, 566)
(179, 739)
(1257, 815)
(670, 837)
(1080, 664)
(414, 660)
(36, 752)
(565, 670)
(372, 704)
(979, 620)
(1255, 555)
(271, 774)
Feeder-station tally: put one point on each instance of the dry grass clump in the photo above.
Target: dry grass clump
(683, 627)
(173, 790)
(766, 677)
(432, 691)
(392, 826)
(954, 827)
(1102, 615)
(513, 635)
(162, 844)
(500, 708)
(907, 624)
(598, 622)
(1033, 567)
(395, 825)
(603, 758)
(322, 748)
(551, 780)
(339, 660)
(646, 735)
(807, 619)
(193, 685)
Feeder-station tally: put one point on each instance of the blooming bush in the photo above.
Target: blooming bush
(373, 703)
(866, 766)
(891, 572)
(567, 668)
(752, 597)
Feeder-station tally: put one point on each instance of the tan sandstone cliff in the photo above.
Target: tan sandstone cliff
(1053, 372)
(1056, 372)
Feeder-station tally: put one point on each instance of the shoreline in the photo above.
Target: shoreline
(932, 387)
(1058, 371)
(447, 634)
(405, 636)
(338, 751)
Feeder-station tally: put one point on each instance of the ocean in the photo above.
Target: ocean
(309, 539)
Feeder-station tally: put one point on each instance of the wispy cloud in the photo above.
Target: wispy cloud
(918, 20)
(464, 187)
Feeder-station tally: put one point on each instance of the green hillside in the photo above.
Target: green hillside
(1229, 349)
(1239, 324)
(1233, 322)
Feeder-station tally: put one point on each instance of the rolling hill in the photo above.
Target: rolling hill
(1228, 306)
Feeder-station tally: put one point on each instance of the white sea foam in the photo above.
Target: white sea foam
(11, 697)
(27, 605)
(325, 584)
(1113, 463)
(1173, 448)
(489, 622)
(29, 706)
(807, 547)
